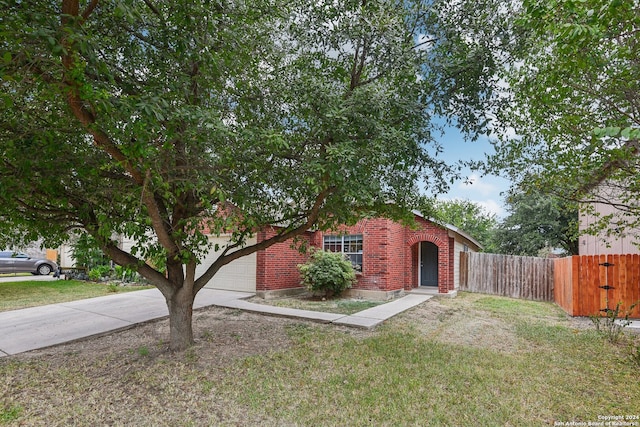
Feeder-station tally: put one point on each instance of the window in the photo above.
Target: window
(350, 245)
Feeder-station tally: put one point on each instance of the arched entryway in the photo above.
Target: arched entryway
(428, 264)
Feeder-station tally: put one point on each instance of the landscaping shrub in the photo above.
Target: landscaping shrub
(612, 325)
(329, 273)
(125, 274)
(99, 272)
(86, 253)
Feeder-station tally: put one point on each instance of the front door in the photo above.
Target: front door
(428, 264)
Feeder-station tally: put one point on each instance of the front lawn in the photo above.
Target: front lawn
(474, 360)
(15, 295)
(346, 306)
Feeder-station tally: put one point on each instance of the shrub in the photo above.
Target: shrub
(612, 326)
(327, 272)
(99, 272)
(125, 274)
(86, 253)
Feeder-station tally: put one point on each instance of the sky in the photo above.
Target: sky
(484, 190)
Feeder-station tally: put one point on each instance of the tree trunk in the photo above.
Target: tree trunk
(180, 305)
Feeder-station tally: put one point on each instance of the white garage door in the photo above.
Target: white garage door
(239, 275)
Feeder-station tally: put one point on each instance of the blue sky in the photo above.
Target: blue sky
(484, 190)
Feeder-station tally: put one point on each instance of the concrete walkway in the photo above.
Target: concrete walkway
(44, 326)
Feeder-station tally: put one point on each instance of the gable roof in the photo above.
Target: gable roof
(451, 228)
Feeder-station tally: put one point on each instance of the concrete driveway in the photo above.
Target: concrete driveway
(7, 278)
(38, 327)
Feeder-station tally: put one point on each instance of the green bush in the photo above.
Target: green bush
(99, 272)
(327, 272)
(125, 274)
(86, 253)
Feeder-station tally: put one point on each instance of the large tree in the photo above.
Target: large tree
(537, 222)
(168, 121)
(574, 81)
(471, 218)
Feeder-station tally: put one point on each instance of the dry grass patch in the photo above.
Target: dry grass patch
(473, 360)
(346, 306)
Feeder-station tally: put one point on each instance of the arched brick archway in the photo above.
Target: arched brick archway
(426, 237)
(442, 263)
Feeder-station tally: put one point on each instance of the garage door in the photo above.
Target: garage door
(239, 275)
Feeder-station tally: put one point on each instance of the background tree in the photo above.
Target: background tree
(471, 218)
(575, 86)
(537, 222)
(168, 121)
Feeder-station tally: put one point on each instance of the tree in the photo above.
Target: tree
(536, 222)
(575, 83)
(168, 121)
(471, 218)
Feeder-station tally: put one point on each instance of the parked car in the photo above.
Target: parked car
(18, 262)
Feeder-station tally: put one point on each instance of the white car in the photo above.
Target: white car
(18, 262)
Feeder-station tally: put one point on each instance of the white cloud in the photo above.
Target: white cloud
(478, 186)
(484, 191)
(492, 206)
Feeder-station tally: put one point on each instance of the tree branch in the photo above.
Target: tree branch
(152, 7)
(223, 260)
(89, 9)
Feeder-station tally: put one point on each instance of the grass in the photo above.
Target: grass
(345, 306)
(397, 377)
(9, 414)
(472, 360)
(16, 295)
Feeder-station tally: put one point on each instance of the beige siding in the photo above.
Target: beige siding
(239, 275)
(457, 248)
(619, 243)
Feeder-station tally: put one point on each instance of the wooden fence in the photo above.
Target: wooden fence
(507, 275)
(582, 285)
(590, 284)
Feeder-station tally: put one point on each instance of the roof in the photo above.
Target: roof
(451, 228)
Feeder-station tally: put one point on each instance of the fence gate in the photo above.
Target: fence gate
(589, 285)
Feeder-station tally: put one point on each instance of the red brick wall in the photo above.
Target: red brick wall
(277, 266)
(390, 256)
(383, 253)
(430, 232)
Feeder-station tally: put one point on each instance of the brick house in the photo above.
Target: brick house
(390, 258)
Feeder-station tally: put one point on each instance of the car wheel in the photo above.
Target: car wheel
(44, 269)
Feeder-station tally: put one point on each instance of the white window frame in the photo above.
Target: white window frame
(351, 245)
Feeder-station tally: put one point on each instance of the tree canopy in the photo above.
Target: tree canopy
(169, 121)
(537, 222)
(574, 85)
(471, 218)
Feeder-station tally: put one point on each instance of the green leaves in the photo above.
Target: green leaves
(574, 80)
(295, 113)
(616, 131)
(471, 218)
(330, 273)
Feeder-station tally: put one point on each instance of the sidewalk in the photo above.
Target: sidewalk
(38, 327)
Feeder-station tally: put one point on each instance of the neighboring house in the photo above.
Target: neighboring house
(618, 238)
(65, 250)
(390, 258)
